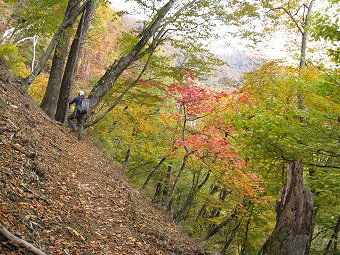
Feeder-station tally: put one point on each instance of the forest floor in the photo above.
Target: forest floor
(68, 197)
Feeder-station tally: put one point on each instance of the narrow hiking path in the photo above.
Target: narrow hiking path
(68, 197)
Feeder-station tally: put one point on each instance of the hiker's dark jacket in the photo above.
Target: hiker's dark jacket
(77, 100)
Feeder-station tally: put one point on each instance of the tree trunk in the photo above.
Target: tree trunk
(72, 62)
(158, 192)
(305, 35)
(304, 40)
(333, 240)
(196, 187)
(114, 71)
(126, 160)
(172, 194)
(295, 217)
(152, 173)
(74, 12)
(245, 241)
(202, 212)
(50, 100)
(230, 238)
(217, 228)
(168, 182)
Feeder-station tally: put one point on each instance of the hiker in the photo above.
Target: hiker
(82, 108)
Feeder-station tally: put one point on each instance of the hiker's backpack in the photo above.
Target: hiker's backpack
(84, 106)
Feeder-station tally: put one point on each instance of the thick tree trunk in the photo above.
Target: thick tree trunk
(50, 100)
(74, 13)
(72, 62)
(295, 217)
(114, 71)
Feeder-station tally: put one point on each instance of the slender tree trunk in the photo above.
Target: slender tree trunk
(50, 100)
(295, 217)
(203, 210)
(217, 228)
(171, 195)
(333, 241)
(302, 65)
(152, 173)
(195, 188)
(168, 182)
(230, 238)
(114, 71)
(73, 61)
(245, 241)
(305, 35)
(120, 97)
(74, 13)
(157, 193)
(126, 160)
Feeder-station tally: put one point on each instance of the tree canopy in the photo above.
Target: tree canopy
(213, 156)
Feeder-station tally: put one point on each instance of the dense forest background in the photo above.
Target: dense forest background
(206, 137)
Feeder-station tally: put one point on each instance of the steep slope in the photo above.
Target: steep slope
(67, 197)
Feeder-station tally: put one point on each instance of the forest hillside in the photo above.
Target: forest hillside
(239, 151)
(68, 197)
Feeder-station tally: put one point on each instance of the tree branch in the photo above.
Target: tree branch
(16, 240)
(120, 97)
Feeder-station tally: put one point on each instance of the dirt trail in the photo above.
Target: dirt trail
(67, 197)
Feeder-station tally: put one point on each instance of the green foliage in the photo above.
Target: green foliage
(38, 17)
(9, 54)
(327, 28)
(275, 132)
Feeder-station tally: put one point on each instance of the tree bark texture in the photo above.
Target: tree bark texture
(50, 100)
(114, 71)
(73, 61)
(295, 217)
(73, 14)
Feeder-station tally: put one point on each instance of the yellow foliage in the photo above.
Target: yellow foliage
(38, 88)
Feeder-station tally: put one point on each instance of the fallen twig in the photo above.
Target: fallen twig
(17, 147)
(35, 194)
(16, 240)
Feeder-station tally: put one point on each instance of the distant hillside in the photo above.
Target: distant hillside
(230, 74)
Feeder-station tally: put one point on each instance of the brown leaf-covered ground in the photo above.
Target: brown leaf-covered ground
(67, 197)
